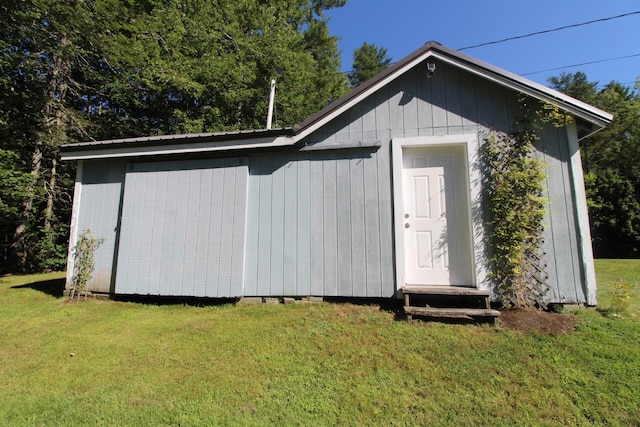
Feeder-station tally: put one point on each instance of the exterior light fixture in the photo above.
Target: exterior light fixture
(431, 69)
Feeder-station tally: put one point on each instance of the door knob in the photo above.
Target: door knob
(407, 225)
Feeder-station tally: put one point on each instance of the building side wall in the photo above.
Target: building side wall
(319, 219)
(318, 224)
(100, 196)
(561, 247)
(182, 228)
(455, 102)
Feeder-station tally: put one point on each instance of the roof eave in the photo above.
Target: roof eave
(505, 78)
(177, 144)
(362, 91)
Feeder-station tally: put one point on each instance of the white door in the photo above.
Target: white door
(436, 218)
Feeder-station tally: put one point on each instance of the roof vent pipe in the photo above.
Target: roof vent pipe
(272, 95)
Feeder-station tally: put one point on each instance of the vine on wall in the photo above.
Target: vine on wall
(514, 180)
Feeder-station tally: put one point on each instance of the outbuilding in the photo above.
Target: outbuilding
(331, 206)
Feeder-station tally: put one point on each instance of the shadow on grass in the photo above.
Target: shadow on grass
(391, 305)
(53, 287)
(396, 307)
(173, 300)
(613, 312)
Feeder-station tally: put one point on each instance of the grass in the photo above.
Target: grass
(612, 271)
(122, 363)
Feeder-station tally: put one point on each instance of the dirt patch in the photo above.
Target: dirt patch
(530, 320)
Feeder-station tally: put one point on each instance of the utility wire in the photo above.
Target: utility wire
(551, 30)
(578, 65)
(557, 68)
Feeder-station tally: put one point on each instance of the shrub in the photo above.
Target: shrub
(84, 263)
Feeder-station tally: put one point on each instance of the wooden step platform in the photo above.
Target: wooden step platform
(443, 290)
(454, 313)
(453, 302)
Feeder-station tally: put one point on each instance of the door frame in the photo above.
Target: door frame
(479, 258)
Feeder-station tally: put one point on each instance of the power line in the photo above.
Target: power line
(578, 65)
(559, 68)
(556, 68)
(551, 30)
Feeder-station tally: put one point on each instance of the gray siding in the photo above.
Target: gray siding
(561, 240)
(182, 228)
(100, 193)
(315, 225)
(317, 222)
(451, 102)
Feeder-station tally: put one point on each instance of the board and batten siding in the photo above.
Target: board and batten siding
(318, 224)
(183, 228)
(452, 102)
(563, 254)
(315, 219)
(99, 196)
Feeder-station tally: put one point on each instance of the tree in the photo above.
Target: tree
(614, 212)
(206, 66)
(13, 182)
(576, 85)
(368, 60)
(611, 158)
(38, 53)
(75, 71)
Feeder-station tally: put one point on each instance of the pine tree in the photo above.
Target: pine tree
(368, 60)
(75, 71)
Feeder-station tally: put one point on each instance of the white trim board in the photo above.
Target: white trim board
(582, 216)
(114, 151)
(470, 142)
(73, 230)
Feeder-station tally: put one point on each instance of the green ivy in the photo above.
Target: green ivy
(514, 186)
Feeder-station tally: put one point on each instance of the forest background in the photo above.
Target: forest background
(73, 71)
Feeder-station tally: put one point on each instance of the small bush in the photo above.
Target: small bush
(622, 292)
(84, 263)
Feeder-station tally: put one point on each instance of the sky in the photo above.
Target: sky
(402, 26)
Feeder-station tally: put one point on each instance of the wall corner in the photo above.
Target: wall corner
(582, 216)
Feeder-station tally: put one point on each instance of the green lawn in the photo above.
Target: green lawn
(121, 363)
(613, 270)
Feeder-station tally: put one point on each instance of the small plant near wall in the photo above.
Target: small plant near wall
(84, 263)
(622, 291)
(514, 185)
